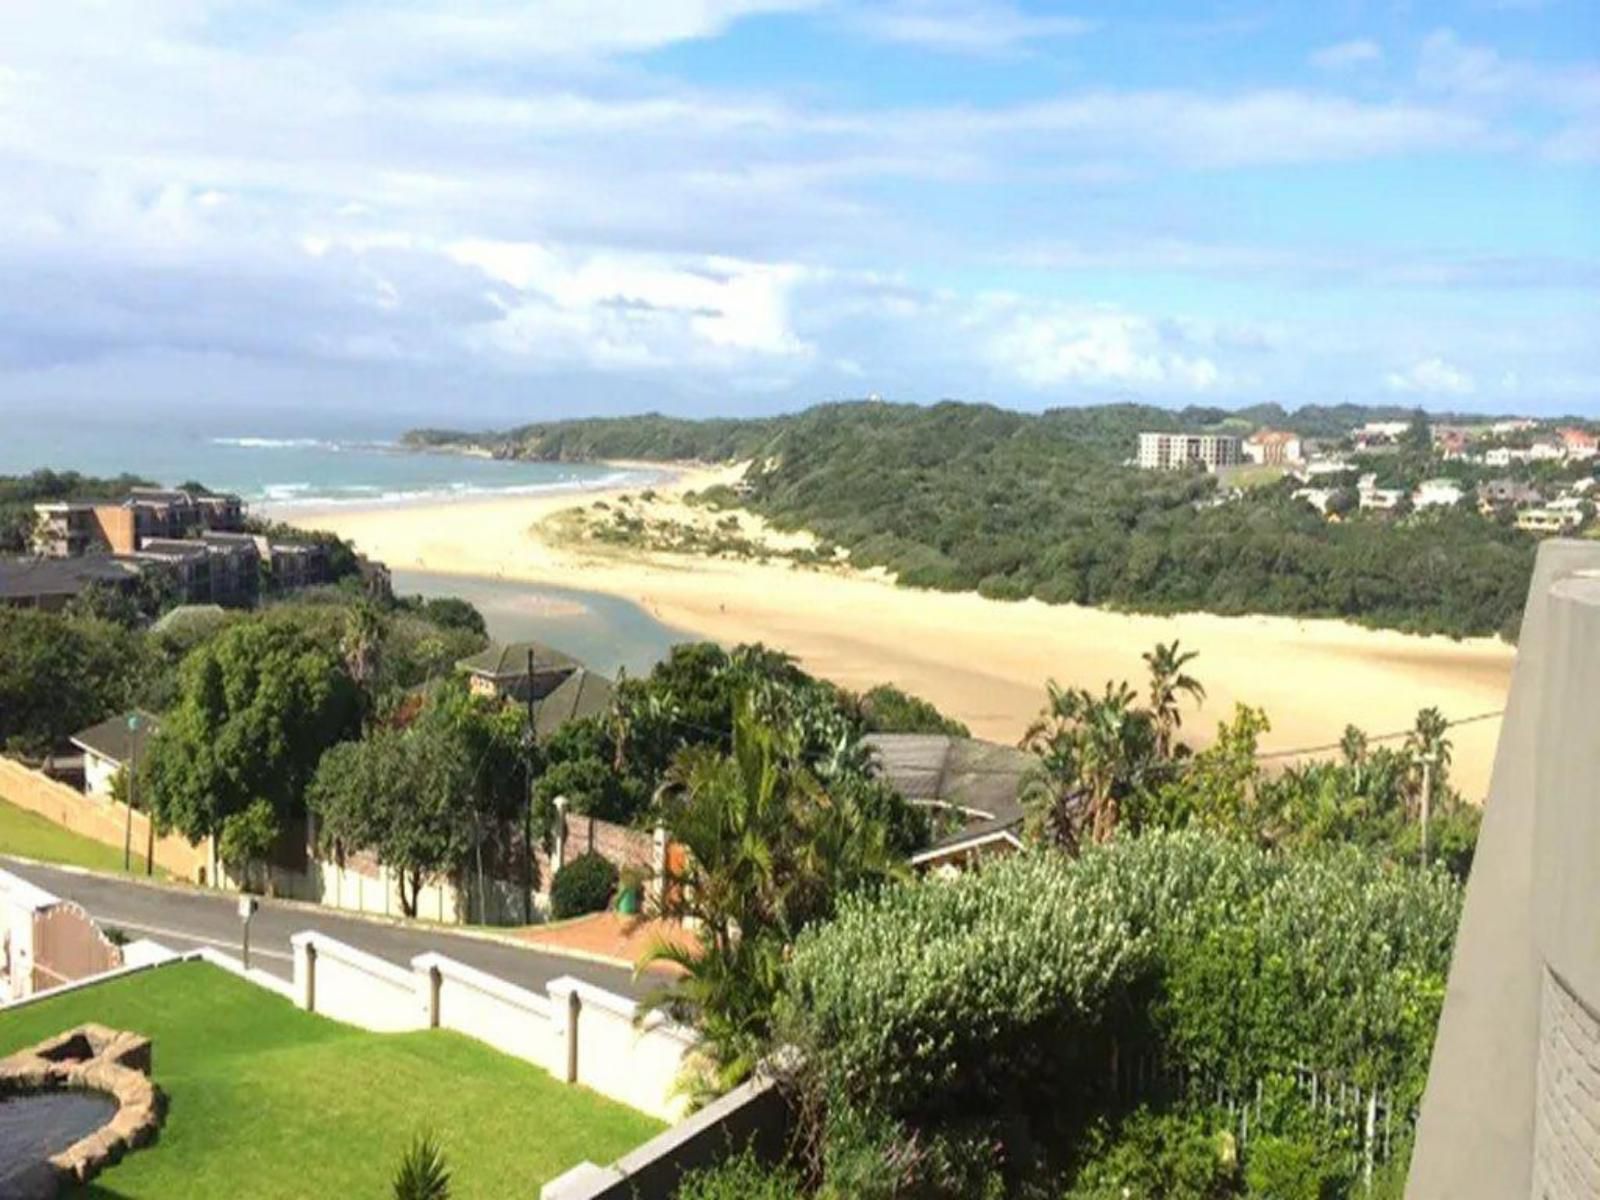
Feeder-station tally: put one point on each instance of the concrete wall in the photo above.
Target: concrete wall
(99, 819)
(578, 1033)
(353, 986)
(1512, 1106)
(513, 1020)
(755, 1114)
(619, 1054)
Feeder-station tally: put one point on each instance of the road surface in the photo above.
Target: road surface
(186, 919)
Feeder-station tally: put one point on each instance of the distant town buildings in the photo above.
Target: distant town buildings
(1579, 443)
(191, 543)
(1177, 451)
(1273, 448)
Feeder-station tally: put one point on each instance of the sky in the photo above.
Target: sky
(490, 209)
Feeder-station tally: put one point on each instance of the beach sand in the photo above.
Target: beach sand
(982, 661)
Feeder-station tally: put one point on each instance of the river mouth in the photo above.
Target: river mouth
(34, 1126)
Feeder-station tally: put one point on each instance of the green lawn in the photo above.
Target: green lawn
(269, 1101)
(28, 835)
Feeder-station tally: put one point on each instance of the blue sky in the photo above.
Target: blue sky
(504, 208)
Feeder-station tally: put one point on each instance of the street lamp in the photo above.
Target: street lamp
(247, 909)
(133, 776)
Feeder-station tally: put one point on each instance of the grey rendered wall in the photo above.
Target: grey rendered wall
(1515, 1076)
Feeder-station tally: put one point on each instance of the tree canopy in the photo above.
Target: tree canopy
(257, 707)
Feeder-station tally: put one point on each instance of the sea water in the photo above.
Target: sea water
(278, 463)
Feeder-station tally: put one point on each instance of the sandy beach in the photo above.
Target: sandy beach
(983, 661)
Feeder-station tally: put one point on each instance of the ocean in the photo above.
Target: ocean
(321, 465)
(278, 463)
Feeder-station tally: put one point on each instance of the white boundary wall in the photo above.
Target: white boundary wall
(579, 1033)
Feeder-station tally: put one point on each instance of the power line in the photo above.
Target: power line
(1377, 737)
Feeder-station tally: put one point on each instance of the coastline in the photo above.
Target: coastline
(982, 661)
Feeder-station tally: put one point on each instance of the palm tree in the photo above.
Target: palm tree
(1427, 742)
(767, 851)
(1094, 751)
(1353, 747)
(1167, 681)
(362, 647)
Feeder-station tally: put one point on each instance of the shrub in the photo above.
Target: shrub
(1175, 1156)
(422, 1174)
(741, 1177)
(991, 1005)
(584, 885)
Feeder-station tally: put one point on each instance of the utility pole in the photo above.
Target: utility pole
(133, 776)
(1427, 797)
(530, 745)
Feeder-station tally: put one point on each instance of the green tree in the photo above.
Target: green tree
(59, 674)
(257, 707)
(247, 839)
(427, 798)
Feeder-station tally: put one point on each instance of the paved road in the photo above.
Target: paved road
(184, 919)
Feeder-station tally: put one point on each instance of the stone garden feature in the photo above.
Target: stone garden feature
(61, 1080)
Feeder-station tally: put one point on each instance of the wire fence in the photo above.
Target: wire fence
(1367, 1118)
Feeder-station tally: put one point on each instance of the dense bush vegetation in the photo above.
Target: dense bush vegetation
(584, 885)
(652, 437)
(969, 1031)
(962, 496)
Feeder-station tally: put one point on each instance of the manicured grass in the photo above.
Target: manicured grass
(28, 835)
(270, 1101)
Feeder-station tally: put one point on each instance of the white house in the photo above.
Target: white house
(1437, 493)
(111, 745)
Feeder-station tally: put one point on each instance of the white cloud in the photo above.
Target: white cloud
(1431, 377)
(1052, 345)
(1342, 56)
(635, 310)
(959, 26)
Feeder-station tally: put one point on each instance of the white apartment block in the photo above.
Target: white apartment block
(1175, 451)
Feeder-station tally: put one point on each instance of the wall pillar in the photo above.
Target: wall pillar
(305, 972)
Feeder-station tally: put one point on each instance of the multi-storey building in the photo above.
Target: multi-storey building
(1176, 451)
(1274, 448)
(66, 530)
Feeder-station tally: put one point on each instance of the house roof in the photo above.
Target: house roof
(980, 780)
(29, 577)
(111, 739)
(584, 693)
(1273, 436)
(510, 661)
